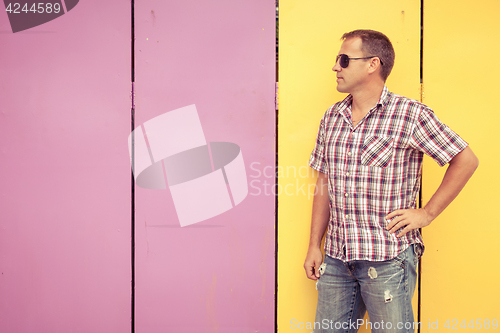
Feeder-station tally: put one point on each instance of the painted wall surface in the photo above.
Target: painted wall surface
(65, 185)
(216, 275)
(309, 40)
(460, 265)
(65, 174)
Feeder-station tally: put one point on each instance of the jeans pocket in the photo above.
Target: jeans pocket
(399, 260)
(417, 250)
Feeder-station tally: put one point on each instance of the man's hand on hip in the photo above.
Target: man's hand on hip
(409, 219)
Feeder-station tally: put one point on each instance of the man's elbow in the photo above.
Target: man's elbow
(467, 160)
(475, 162)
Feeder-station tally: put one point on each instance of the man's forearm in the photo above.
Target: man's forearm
(319, 222)
(320, 211)
(461, 168)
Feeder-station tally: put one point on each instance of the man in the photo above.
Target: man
(369, 152)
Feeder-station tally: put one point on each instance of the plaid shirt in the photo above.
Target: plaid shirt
(374, 169)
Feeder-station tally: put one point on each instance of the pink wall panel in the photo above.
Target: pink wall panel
(215, 275)
(65, 173)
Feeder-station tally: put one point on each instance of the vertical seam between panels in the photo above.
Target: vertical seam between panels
(276, 175)
(132, 213)
(419, 278)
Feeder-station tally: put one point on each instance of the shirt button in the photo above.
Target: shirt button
(347, 216)
(349, 153)
(348, 174)
(347, 194)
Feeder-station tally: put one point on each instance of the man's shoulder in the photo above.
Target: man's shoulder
(403, 99)
(400, 102)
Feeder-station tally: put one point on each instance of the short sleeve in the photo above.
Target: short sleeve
(435, 139)
(317, 161)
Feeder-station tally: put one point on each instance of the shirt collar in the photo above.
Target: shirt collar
(347, 102)
(384, 98)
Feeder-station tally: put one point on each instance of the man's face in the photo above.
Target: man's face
(351, 78)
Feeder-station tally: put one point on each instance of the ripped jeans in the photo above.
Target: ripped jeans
(346, 290)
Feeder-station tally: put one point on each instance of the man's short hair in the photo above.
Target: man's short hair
(375, 43)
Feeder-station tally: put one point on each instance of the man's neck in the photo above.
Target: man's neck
(365, 99)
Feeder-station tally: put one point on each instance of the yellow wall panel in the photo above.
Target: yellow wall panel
(460, 268)
(309, 38)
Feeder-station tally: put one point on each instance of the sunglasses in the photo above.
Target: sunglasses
(344, 60)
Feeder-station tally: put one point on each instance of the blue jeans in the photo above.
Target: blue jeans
(346, 290)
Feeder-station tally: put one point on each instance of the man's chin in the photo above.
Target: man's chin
(341, 89)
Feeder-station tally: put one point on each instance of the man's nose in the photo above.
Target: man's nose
(336, 67)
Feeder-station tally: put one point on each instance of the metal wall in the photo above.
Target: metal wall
(462, 251)
(309, 37)
(216, 275)
(204, 245)
(459, 263)
(65, 173)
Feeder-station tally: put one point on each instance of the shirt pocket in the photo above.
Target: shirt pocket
(377, 151)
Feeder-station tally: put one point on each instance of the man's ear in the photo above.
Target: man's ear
(374, 65)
